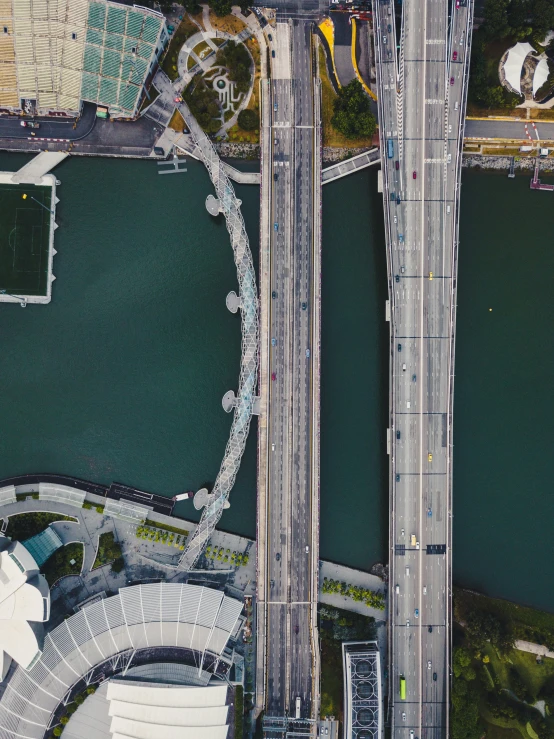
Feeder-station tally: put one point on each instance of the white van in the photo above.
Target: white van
(397, 589)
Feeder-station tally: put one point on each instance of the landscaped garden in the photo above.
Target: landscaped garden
(184, 31)
(234, 559)
(496, 687)
(65, 561)
(22, 526)
(109, 552)
(173, 538)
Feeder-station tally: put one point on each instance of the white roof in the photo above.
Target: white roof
(540, 76)
(514, 64)
(24, 598)
(178, 696)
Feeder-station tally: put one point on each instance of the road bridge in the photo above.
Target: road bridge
(422, 84)
(287, 684)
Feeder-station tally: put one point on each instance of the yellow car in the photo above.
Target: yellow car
(430, 275)
(429, 457)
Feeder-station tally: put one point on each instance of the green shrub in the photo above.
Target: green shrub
(79, 699)
(91, 689)
(99, 509)
(23, 526)
(118, 565)
(64, 720)
(86, 505)
(248, 120)
(57, 731)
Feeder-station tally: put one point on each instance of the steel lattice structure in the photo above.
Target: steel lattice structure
(362, 690)
(230, 207)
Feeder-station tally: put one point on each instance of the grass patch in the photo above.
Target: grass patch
(542, 115)
(24, 525)
(512, 151)
(20, 497)
(203, 50)
(173, 529)
(177, 122)
(109, 550)
(191, 62)
(185, 30)
(229, 23)
(331, 137)
(60, 565)
(504, 609)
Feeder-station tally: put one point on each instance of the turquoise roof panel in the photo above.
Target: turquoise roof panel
(96, 15)
(89, 87)
(113, 41)
(95, 37)
(151, 28)
(134, 23)
(128, 95)
(108, 91)
(111, 65)
(93, 59)
(116, 19)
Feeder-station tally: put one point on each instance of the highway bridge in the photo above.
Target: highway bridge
(287, 681)
(422, 81)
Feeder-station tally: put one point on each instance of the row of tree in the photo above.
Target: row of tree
(357, 593)
(520, 19)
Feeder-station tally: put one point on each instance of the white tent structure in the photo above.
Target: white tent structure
(514, 64)
(24, 606)
(540, 76)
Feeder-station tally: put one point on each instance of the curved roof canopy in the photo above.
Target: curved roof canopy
(24, 606)
(514, 64)
(541, 75)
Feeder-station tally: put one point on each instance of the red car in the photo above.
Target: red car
(273, 376)
(414, 175)
(452, 80)
(455, 55)
(396, 165)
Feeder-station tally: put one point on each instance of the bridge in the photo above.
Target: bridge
(245, 399)
(422, 86)
(287, 677)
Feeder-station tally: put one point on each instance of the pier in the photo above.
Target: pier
(536, 184)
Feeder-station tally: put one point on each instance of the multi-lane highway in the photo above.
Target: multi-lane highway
(422, 79)
(287, 588)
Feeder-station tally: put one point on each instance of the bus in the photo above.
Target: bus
(390, 148)
(402, 688)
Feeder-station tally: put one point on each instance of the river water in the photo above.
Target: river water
(121, 376)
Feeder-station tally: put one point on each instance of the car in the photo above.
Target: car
(307, 353)
(275, 177)
(389, 53)
(397, 278)
(384, 39)
(278, 556)
(273, 447)
(414, 175)
(398, 434)
(408, 622)
(416, 613)
(435, 676)
(401, 238)
(30, 124)
(304, 305)
(411, 734)
(272, 583)
(429, 512)
(275, 226)
(270, 37)
(425, 590)
(275, 107)
(296, 629)
(273, 376)
(454, 56)
(389, 28)
(397, 165)
(178, 99)
(430, 275)
(326, 731)
(402, 269)
(402, 532)
(397, 477)
(399, 347)
(451, 81)
(395, 219)
(414, 378)
(428, 664)
(307, 549)
(430, 629)
(273, 294)
(273, 53)
(457, 4)
(398, 200)
(403, 716)
(274, 341)
(429, 457)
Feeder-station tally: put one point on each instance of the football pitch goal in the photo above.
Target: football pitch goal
(24, 238)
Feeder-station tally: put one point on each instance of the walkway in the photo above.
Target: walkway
(246, 276)
(341, 169)
(33, 172)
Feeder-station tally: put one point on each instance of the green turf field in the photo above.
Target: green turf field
(24, 239)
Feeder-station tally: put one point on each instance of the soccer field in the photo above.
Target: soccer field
(24, 238)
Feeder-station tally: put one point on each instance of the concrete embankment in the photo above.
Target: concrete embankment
(527, 164)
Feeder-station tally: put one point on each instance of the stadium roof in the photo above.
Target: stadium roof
(59, 52)
(24, 606)
(540, 76)
(172, 615)
(514, 64)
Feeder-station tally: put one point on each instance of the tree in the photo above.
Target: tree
(248, 120)
(496, 18)
(352, 112)
(203, 102)
(236, 59)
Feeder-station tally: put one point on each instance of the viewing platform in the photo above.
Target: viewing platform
(536, 184)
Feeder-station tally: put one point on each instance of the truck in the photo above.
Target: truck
(298, 705)
(525, 148)
(413, 540)
(30, 124)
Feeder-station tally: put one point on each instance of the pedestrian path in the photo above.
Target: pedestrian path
(33, 172)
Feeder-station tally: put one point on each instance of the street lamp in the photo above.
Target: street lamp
(25, 196)
(23, 303)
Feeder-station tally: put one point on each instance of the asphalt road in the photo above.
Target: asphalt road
(509, 130)
(420, 103)
(289, 657)
(62, 128)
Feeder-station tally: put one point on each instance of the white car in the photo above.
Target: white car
(403, 716)
(429, 664)
(425, 590)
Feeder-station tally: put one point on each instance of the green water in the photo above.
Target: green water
(121, 376)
